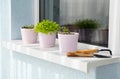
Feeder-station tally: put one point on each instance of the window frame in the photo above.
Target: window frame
(114, 27)
(114, 32)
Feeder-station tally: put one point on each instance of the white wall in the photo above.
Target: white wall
(13, 15)
(5, 27)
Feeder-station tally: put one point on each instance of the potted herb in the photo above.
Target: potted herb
(86, 29)
(47, 33)
(28, 34)
(71, 27)
(67, 40)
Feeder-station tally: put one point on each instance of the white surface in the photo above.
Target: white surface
(53, 55)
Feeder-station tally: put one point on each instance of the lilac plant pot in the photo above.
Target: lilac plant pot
(47, 40)
(68, 43)
(28, 36)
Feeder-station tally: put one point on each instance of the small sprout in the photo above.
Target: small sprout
(28, 26)
(64, 30)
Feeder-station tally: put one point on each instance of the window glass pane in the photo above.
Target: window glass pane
(68, 12)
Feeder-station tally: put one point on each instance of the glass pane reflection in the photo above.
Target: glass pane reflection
(66, 12)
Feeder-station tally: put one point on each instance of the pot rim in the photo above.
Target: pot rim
(26, 28)
(72, 33)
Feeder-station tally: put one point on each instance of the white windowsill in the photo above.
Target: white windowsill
(83, 64)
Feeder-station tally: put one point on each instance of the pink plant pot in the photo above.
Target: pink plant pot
(68, 42)
(28, 36)
(47, 40)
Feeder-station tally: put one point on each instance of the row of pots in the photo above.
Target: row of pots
(67, 42)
